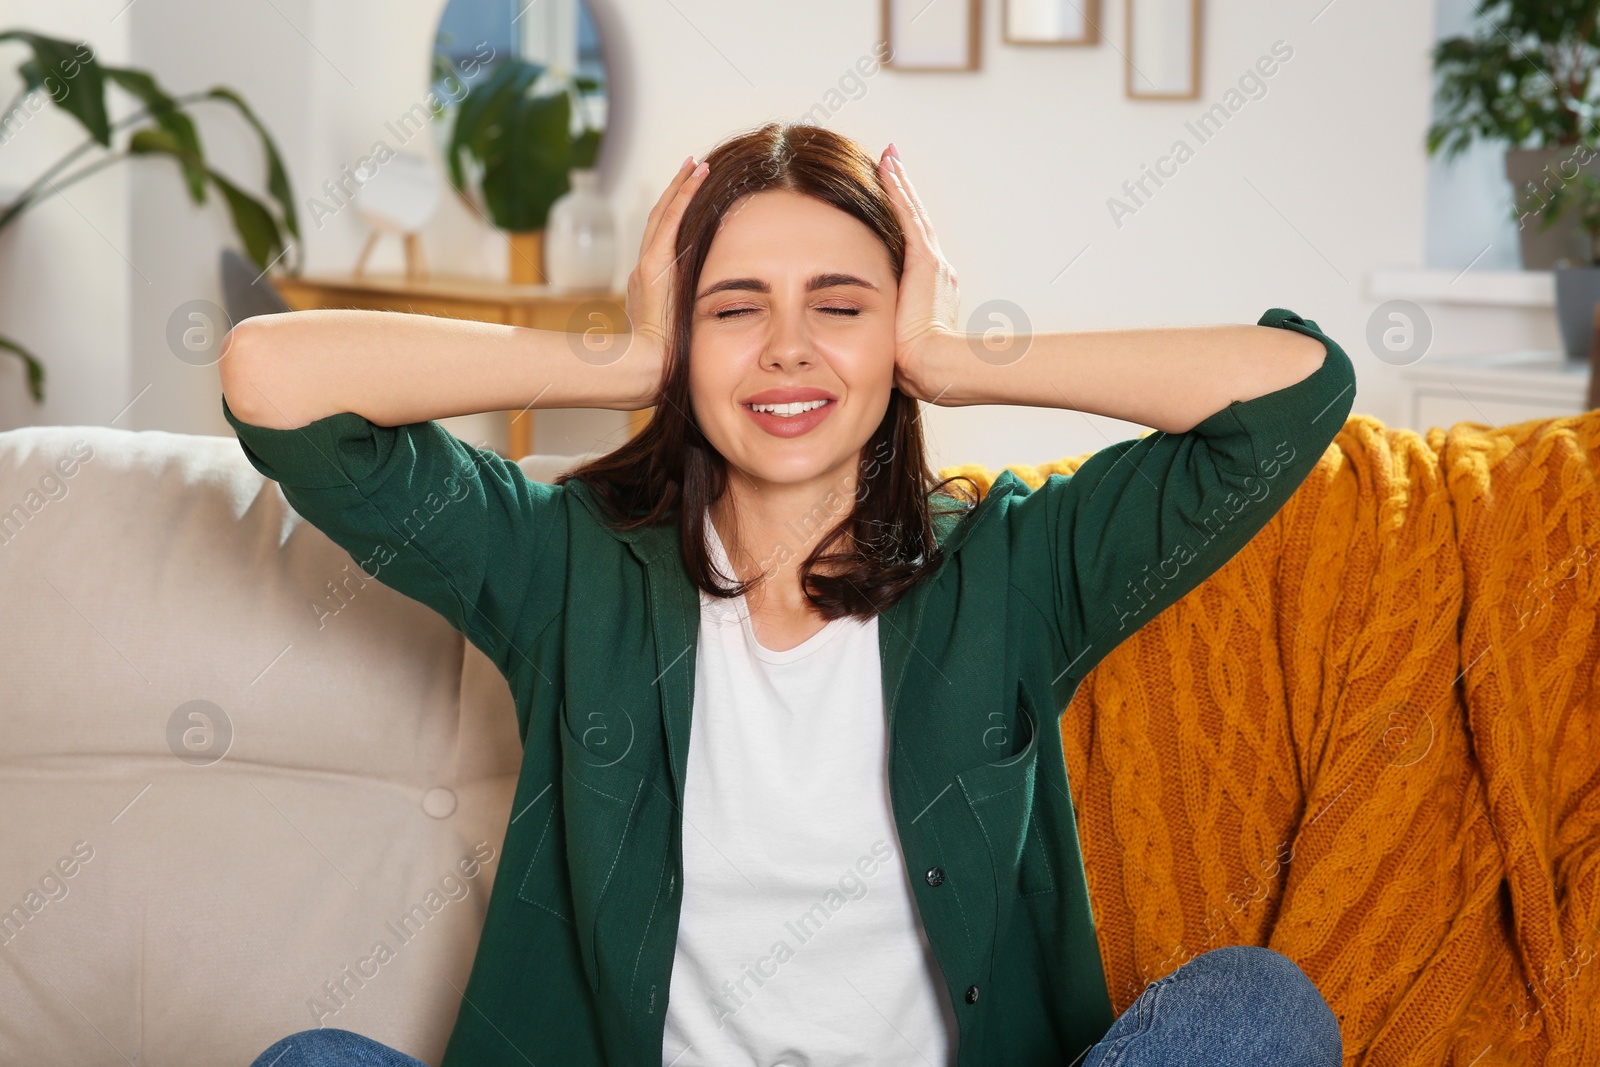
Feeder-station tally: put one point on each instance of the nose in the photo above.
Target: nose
(788, 344)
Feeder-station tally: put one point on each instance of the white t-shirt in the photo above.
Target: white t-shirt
(799, 943)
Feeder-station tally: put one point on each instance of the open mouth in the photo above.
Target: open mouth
(788, 411)
(791, 419)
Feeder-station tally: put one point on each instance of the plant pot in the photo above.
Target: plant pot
(1534, 174)
(525, 249)
(1577, 292)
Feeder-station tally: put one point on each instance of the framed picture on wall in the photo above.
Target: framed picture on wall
(932, 34)
(1050, 22)
(1163, 56)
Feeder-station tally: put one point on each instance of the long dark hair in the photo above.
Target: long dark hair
(670, 472)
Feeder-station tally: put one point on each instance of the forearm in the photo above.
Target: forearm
(286, 370)
(1168, 378)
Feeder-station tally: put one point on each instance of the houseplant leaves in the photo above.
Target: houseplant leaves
(75, 81)
(525, 169)
(73, 68)
(522, 143)
(251, 219)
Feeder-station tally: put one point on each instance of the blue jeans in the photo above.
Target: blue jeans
(1235, 1006)
(328, 1047)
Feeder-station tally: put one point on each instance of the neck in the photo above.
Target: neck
(768, 528)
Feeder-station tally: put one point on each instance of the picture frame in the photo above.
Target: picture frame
(1050, 22)
(932, 35)
(1162, 61)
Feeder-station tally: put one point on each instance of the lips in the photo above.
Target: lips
(790, 425)
(788, 396)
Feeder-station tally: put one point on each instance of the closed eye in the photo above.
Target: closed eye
(727, 312)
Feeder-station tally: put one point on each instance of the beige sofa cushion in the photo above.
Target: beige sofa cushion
(248, 790)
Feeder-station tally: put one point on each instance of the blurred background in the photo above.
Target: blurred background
(1132, 163)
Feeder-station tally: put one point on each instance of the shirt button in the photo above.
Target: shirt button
(972, 994)
(935, 876)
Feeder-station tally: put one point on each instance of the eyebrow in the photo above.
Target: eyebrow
(817, 281)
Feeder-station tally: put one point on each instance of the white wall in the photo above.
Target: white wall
(1291, 204)
(258, 50)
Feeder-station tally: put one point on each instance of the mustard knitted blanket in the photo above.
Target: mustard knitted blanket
(1371, 741)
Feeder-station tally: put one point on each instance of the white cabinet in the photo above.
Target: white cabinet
(1492, 389)
(1495, 389)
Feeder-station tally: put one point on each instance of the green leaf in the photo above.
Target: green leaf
(529, 164)
(35, 368)
(169, 117)
(481, 112)
(586, 148)
(277, 174)
(1522, 76)
(71, 75)
(153, 140)
(523, 143)
(252, 221)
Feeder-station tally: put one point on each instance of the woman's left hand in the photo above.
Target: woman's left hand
(926, 303)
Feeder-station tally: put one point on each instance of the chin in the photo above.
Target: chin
(789, 463)
(780, 472)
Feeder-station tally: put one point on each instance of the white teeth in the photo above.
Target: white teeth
(787, 410)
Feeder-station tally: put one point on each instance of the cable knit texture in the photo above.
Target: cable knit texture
(1371, 741)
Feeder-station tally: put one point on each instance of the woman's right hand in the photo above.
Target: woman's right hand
(651, 282)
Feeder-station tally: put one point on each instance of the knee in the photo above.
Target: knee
(1277, 986)
(315, 1048)
(1249, 961)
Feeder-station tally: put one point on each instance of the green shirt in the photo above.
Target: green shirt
(595, 632)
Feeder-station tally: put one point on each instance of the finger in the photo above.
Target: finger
(924, 223)
(667, 225)
(654, 218)
(911, 195)
(911, 223)
(898, 200)
(666, 235)
(667, 194)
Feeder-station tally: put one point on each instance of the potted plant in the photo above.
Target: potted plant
(1525, 78)
(75, 81)
(512, 149)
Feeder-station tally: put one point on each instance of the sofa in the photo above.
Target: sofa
(234, 766)
(250, 790)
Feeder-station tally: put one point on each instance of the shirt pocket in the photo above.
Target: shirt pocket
(1001, 795)
(580, 851)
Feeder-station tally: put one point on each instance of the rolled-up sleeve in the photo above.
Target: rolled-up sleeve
(1143, 522)
(456, 527)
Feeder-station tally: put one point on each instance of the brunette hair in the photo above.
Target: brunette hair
(670, 472)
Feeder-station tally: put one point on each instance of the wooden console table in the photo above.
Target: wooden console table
(541, 307)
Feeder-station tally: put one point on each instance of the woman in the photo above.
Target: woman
(864, 851)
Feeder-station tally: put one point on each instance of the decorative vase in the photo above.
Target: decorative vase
(1577, 293)
(525, 249)
(581, 246)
